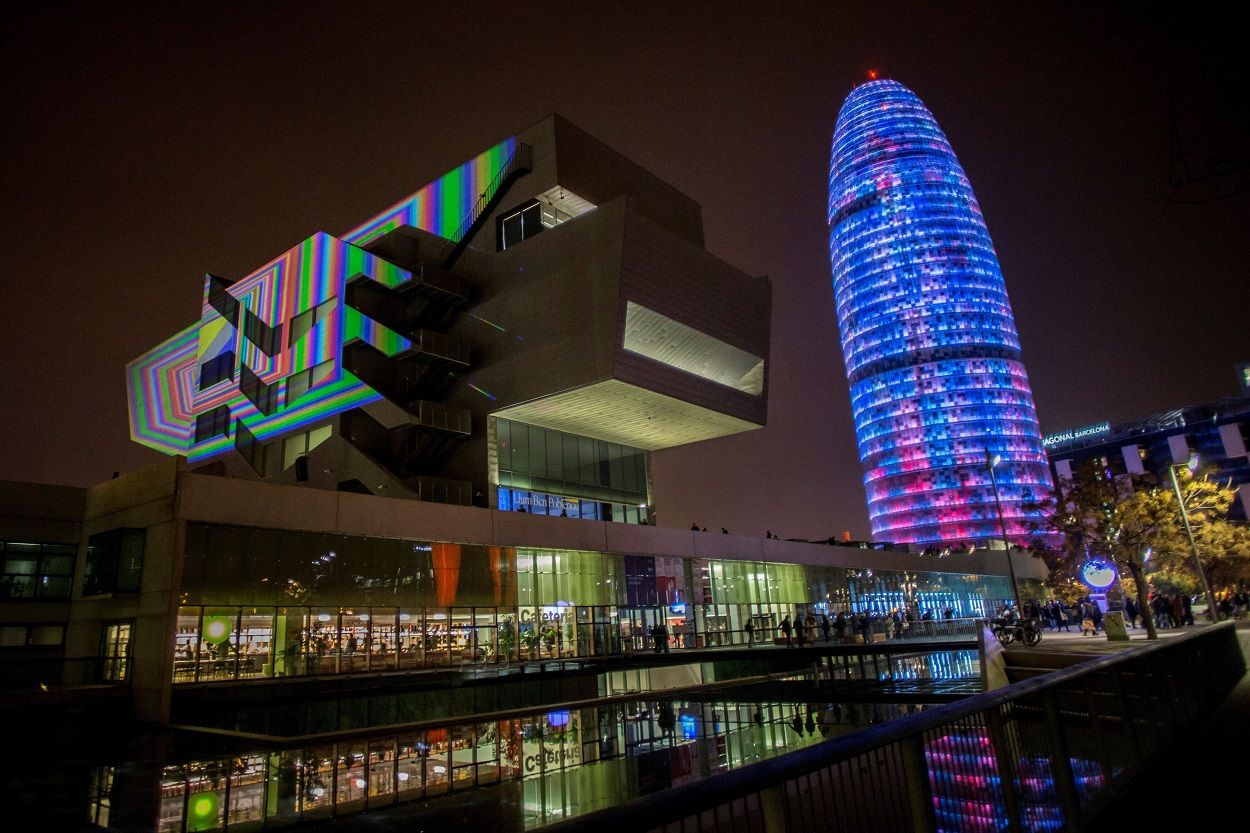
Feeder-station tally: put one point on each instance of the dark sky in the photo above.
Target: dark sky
(141, 150)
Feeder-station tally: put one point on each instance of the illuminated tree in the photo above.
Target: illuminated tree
(1136, 525)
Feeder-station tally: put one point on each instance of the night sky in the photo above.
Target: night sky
(141, 150)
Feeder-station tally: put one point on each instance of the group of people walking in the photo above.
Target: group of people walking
(802, 630)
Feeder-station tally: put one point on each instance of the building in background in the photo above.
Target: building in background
(1217, 432)
(519, 333)
(938, 389)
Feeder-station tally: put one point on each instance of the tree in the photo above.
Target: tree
(1130, 520)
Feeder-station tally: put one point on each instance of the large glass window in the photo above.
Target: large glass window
(36, 571)
(559, 471)
(114, 562)
(520, 224)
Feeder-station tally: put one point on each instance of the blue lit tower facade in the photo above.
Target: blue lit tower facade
(931, 350)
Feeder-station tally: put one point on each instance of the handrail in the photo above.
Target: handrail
(518, 163)
(906, 736)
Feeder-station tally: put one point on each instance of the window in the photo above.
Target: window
(115, 650)
(213, 423)
(520, 224)
(300, 383)
(297, 445)
(217, 370)
(36, 571)
(263, 396)
(304, 322)
(114, 562)
(32, 636)
(261, 334)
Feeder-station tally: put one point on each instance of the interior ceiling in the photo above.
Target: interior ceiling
(622, 413)
(565, 200)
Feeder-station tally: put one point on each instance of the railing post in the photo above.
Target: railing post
(919, 790)
(1061, 763)
(1005, 757)
(773, 809)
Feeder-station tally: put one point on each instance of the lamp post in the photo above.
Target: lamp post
(992, 461)
(1189, 533)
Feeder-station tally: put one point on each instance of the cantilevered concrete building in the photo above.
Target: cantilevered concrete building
(518, 333)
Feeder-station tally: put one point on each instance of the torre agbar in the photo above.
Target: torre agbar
(942, 405)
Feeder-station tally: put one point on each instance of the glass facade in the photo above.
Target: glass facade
(270, 603)
(36, 571)
(932, 355)
(567, 762)
(548, 472)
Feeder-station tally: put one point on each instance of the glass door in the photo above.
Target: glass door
(115, 651)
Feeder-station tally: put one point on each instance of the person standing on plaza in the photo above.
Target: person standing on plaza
(1130, 612)
(824, 626)
(1178, 610)
(800, 630)
(786, 629)
(749, 627)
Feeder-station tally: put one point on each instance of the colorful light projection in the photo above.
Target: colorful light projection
(165, 393)
(931, 350)
(163, 383)
(442, 206)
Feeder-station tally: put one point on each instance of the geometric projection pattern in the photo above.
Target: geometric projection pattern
(245, 333)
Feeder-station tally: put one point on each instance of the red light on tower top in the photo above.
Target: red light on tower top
(872, 75)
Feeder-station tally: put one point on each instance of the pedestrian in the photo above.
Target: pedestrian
(786, 629)
(724, 531)
(655, 638)
(750, 629)
(694, 527)
(839, 626)
(1178, 611)
(1130, 611)
(824, 626)
(664, 638)
(865, 626)
(800, 631)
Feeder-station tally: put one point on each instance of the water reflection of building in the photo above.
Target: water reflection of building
(556, 764)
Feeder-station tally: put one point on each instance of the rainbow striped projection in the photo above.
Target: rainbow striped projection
(164, 386)
(441, 206)
(931, 350)
(165, 392)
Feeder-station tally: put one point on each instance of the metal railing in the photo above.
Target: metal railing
(18, 675)
(1043, 754)
(518, 163)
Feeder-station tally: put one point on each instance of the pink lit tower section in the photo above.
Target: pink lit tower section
(938, 391)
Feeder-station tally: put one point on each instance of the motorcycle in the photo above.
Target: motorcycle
(1015, 630)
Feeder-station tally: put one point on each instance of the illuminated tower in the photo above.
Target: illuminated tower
(938, 390)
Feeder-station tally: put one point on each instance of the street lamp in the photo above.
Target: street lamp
(992, 461)
(1189, 533)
